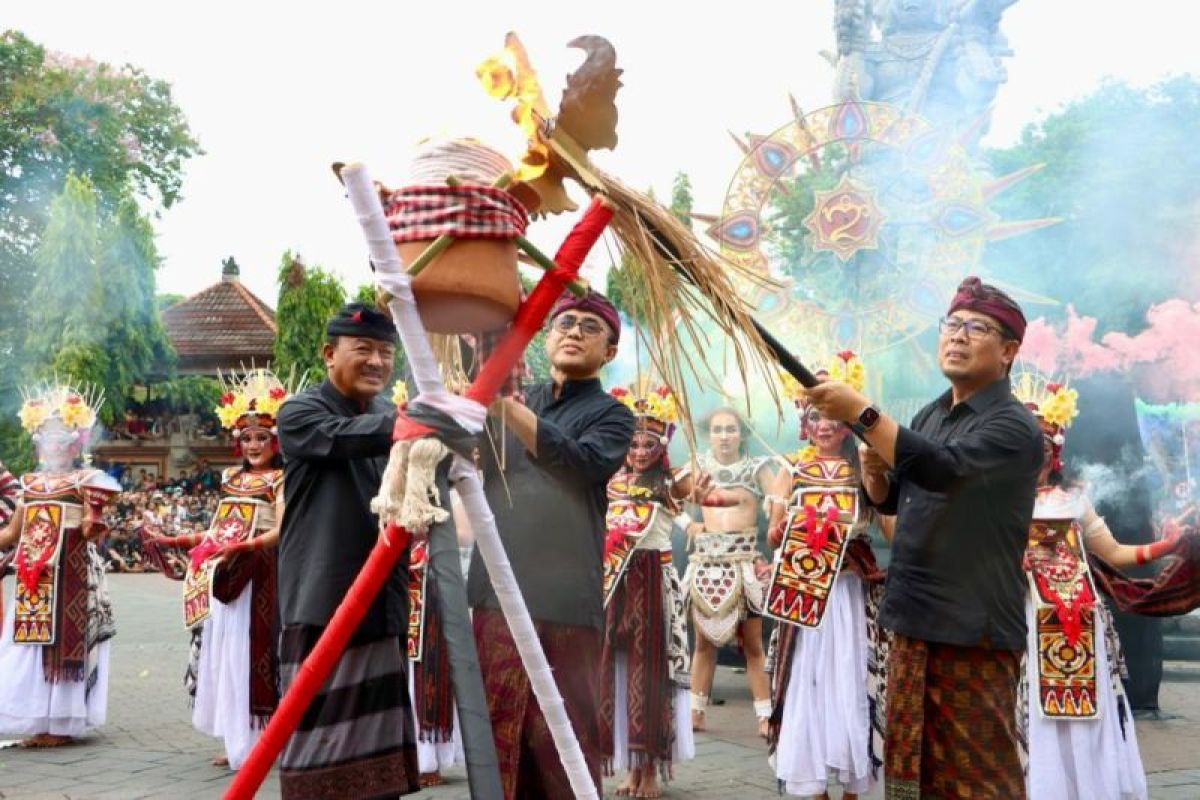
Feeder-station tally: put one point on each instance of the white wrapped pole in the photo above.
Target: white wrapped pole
(391, 275)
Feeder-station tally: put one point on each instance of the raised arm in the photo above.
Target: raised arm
(1101, 542)
(307, 431)
(1002, 445)
(776, 502)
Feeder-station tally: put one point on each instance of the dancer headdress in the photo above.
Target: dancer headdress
(74, 406)
(252, 400)
(654, 410)
(1054, 404)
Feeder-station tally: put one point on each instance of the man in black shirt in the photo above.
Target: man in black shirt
(546, 486)
(357, 737)
(961, 481)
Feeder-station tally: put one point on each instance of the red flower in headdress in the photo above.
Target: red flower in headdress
(618, 392)
(278, 393)
(227, 398)
(662, 391)
(846, 355)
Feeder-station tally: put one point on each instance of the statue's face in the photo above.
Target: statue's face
(912, 15)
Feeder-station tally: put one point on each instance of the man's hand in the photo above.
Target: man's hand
(873, 465)
(762, 568)
(837, 401)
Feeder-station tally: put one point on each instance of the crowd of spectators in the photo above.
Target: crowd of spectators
(154, 506)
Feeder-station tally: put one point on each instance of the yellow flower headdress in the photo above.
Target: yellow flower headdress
(74, 406)
(846, 368)
(252, 399)
(655, 409)
(1055, 403)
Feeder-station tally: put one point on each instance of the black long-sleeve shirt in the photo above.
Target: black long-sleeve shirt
(334, 451)
(963, 489)
(550, 508)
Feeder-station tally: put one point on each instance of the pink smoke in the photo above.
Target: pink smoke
(1164, 359)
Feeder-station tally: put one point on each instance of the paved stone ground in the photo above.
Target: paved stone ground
(149, 749)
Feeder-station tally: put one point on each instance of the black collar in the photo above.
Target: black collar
(982, 400)
(349, 405)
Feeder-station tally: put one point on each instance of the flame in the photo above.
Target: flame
(507, 75)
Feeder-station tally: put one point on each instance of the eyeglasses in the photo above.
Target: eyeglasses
(565, 323)
(975, 329)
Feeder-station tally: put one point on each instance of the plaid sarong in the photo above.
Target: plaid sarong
(951, 722)
(356, 739)
(421, 213)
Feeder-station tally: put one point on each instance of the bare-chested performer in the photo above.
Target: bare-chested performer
(725, 583)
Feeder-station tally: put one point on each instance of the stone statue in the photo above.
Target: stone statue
(937, 58)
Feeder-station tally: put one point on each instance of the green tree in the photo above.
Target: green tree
(681, 198)
(308, 297)
(117, 128)
(1122, 168)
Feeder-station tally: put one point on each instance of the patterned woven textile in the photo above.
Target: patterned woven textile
(636, 624)
(951, 722)
(356, 738)
(1175, 590)
(529, 764)
(421, 213)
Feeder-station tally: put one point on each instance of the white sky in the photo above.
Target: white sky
(275, 93)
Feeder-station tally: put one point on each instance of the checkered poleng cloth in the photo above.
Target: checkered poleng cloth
(421, 213)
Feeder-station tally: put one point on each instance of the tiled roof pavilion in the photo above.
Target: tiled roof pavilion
(222, 327)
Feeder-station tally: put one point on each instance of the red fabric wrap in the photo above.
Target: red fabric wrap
(420, 213)
(1175, 590)
(975, 295)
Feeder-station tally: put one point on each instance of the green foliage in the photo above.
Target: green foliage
(365, 295)
(308, 297)
(91, 315)
(189, 394)
(79, 141)
(1122, 167)
(681, 198)
(165, 300)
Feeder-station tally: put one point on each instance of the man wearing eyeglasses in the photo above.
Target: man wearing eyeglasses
(961, 480)
(545, 478)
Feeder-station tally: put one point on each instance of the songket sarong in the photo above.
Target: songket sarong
(529, 765)
(356, 739)
(951, 722)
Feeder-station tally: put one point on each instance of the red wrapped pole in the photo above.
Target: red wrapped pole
(316, 668)
(533, 312)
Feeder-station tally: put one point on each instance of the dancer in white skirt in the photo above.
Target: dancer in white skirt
(54, 645)
(1079, 732)
(821, 722)
(229, 590)
(645, 658)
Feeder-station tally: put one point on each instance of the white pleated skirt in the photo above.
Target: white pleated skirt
(434, 756)
(1082, 759)
(684, 748)
(223, 678)
(825, 732)
(29, 704)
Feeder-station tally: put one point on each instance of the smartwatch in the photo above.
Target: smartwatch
(867, 420)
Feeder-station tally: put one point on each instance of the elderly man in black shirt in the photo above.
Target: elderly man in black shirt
(546, 486)
(961, 481)
(357, 737)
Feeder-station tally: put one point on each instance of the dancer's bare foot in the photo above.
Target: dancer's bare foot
(764, 727)
(697, 720)
(648, 787)
(629, 786)
(220, 761)
(427, 779)
(44, 740)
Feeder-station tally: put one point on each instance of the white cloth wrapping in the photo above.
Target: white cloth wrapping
(29, 704)
(223, 682)
(1081, 759)
(825, 733)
